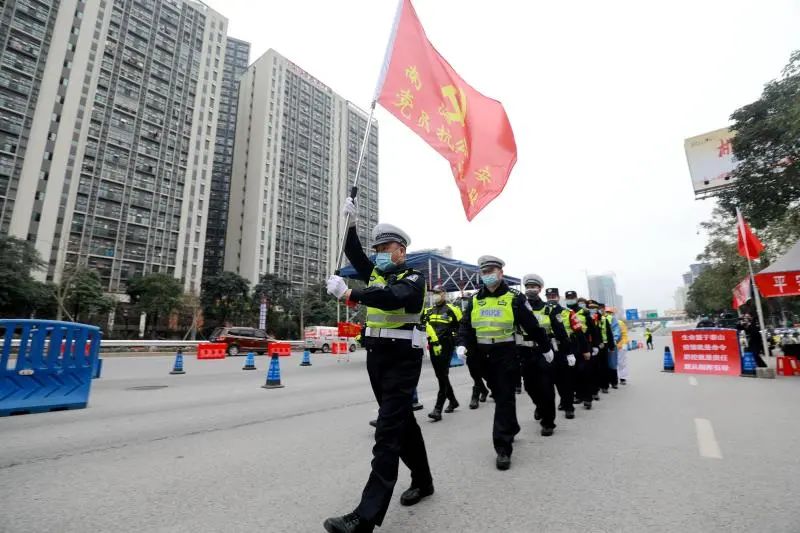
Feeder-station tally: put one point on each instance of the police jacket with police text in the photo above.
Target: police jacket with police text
(523, 317)
(559, 332)
(408, 292)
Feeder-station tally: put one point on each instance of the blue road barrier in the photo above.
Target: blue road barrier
(54, 365)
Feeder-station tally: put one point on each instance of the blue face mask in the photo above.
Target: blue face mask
(582, 305)
(383, 260)
(571, 302)
(490, 280)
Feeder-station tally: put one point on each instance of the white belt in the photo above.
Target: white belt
(388, 333)
(491, 340)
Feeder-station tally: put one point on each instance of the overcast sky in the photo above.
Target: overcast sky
(600, 95)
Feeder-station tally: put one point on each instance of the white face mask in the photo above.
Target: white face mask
(533, 291)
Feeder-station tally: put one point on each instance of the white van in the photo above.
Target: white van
(319, 338)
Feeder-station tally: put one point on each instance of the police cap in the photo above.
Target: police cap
(384, 233)
(552, 291)
(532, 279)
(571, 295)
(486, 261)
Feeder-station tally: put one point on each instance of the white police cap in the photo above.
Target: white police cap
(384, 233)
(532, 279)
(485, 261)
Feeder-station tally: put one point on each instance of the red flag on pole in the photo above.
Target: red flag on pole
(749, 245)
(470, 130)
(742, 293)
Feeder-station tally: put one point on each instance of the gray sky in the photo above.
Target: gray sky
(600, 95)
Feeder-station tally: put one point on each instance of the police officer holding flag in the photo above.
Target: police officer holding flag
(487, 329)
(394, 297)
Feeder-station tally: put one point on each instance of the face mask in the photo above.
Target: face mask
(383, 260)
(490, 280)
(571, 302)
(582, 305)
(593, 312)
(533, 292)
(552, 303)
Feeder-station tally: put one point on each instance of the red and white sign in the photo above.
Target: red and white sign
(707, 351)
(779, 284)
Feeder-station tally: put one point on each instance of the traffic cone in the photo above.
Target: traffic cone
(177, 367)
(306, 358)
(669, 364)
(249, 362)
(456, 360)
(273, 374)
(748, 365)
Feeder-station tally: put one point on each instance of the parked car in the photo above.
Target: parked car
(241, 340)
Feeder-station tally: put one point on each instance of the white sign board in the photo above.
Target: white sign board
(710, 158)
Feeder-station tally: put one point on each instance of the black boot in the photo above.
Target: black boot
(349, 523)
(413, 495)
(416, 406)
(547, 431)
(536, 415)
(605, 391)
(473, 402)
(452, 406)
(436, 414)
(503, 461)
(587, 405)
(569, 415)
(484, 394)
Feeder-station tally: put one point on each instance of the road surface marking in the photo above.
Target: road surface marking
(693, 381)
(706, 440)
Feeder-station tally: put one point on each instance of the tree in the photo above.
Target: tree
(81, 293)
(156, 294)
(226, 298)
(20, 294)
(767, 145)
(277, 292)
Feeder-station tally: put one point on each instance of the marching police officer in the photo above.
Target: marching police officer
(536, 360)
(566, 352)
(441, 324)
(394, 298)
(584, 384)
(487, 330)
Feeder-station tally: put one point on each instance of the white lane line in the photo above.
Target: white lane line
(706, 441)
(693, 381)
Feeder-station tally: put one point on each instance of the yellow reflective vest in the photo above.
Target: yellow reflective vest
(395, 318)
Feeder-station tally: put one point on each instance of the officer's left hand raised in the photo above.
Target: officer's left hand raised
(336, 286)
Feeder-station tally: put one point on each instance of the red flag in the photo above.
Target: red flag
(468, 129)
(741, 293)
(749, 245)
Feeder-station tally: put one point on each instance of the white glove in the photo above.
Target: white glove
(571, 360)
(349, 208)
(548, 356)
(461, 351)
(336, 286)
(595, 351)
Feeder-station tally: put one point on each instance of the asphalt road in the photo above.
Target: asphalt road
(212, 451)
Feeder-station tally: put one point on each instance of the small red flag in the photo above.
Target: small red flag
(749, 245)
(741, 293)
(468, 129)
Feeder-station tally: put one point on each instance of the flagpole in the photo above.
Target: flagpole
(381, 77)
(759, 310)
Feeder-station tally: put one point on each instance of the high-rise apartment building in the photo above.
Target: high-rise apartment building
(295, 154)
(603, 289)
(120, 137)
(237, 57)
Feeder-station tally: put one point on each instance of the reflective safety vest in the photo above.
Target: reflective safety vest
(604, 323)
(395, 318)
(563, 317)
(544, 320)
(436, 348)
(446, 318)
(582, 319)
(493, 318)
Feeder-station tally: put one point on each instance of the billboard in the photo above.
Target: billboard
(631, 314)
(648, 313)
(710, 158)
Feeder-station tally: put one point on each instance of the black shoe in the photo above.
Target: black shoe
(587, 405)
(452, 406)
(417, 406)
(547, 432)
(518, 390)
(560, 407)
(614, 387)
(349, 523)
(623, 381)
(435, 415)
(473, 402)
(605, 391)
(536, 415)
(414, 495)
(570, 415)
(503, 461)
(373, 423)
(596, 397)
(483, 396)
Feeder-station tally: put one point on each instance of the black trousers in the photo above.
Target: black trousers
(601, 370)
(613, 361)
(565, 381)
(649, 344)
(539, 377)
(477, 364)
(441, 367)
(584, 384)
(503, 366)
(394, 368)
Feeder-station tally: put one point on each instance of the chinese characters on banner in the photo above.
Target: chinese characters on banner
(707, 351)
(779, 284)
(467, 128)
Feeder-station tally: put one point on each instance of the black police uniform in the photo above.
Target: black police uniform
(446, 334)
(394, 368)
(502, 363)
(567, 342)
(584, 384)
